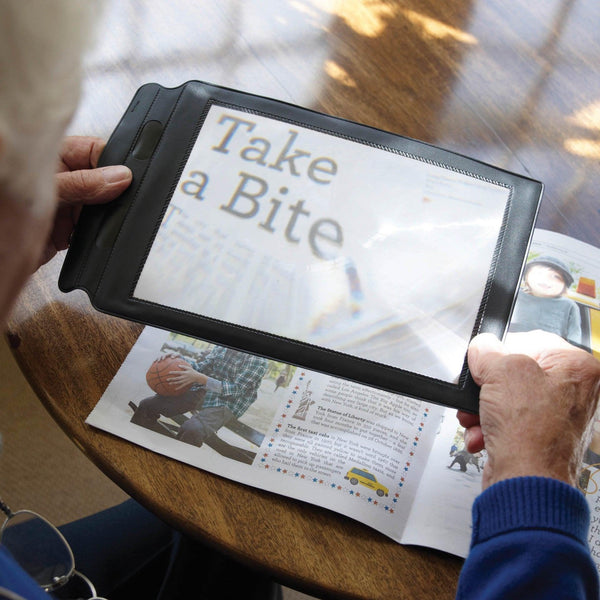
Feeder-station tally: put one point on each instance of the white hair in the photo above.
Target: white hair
(42, 43)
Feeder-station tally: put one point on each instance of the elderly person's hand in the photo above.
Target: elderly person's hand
(79, 182)
(538, 395)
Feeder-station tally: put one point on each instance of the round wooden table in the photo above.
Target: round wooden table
(514, 84)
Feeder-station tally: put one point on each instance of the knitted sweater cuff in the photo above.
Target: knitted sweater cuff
(530, 503)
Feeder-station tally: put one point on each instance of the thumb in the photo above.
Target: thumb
(91, 186)
(482, 346)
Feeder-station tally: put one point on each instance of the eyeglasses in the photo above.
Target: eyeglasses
(44, 554)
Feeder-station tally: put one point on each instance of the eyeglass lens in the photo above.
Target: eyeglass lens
(38, 547)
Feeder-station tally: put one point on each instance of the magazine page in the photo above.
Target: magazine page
(559, 293)
(583, 263)
(440, 516)
(560, 290)
(353, 449)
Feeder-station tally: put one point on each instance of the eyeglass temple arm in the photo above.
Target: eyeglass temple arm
(5, 508)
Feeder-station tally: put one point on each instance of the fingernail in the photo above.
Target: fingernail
(473, 359)
(116, 173)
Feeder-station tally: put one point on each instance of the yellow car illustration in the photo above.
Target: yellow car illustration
(362, 476)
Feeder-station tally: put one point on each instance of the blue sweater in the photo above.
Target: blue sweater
(15, 580)
(529, 541)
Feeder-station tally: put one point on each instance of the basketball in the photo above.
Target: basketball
(158, 374)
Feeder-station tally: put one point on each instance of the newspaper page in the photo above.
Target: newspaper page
(353, 449)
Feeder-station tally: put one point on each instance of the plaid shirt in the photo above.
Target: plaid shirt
(240, 376)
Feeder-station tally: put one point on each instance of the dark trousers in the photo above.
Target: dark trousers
(128, 553)
(196, 430)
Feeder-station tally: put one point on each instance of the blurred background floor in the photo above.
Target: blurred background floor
(41, 469)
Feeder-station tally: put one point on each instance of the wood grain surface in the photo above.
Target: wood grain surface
(515, 84)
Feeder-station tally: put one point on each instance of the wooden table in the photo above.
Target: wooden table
(515, 84)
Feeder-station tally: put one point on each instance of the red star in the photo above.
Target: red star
(375, 502)
(391, 511)
(301, 476)
(266, 466)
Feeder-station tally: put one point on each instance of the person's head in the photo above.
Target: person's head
(41, 47)
(547, 277)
